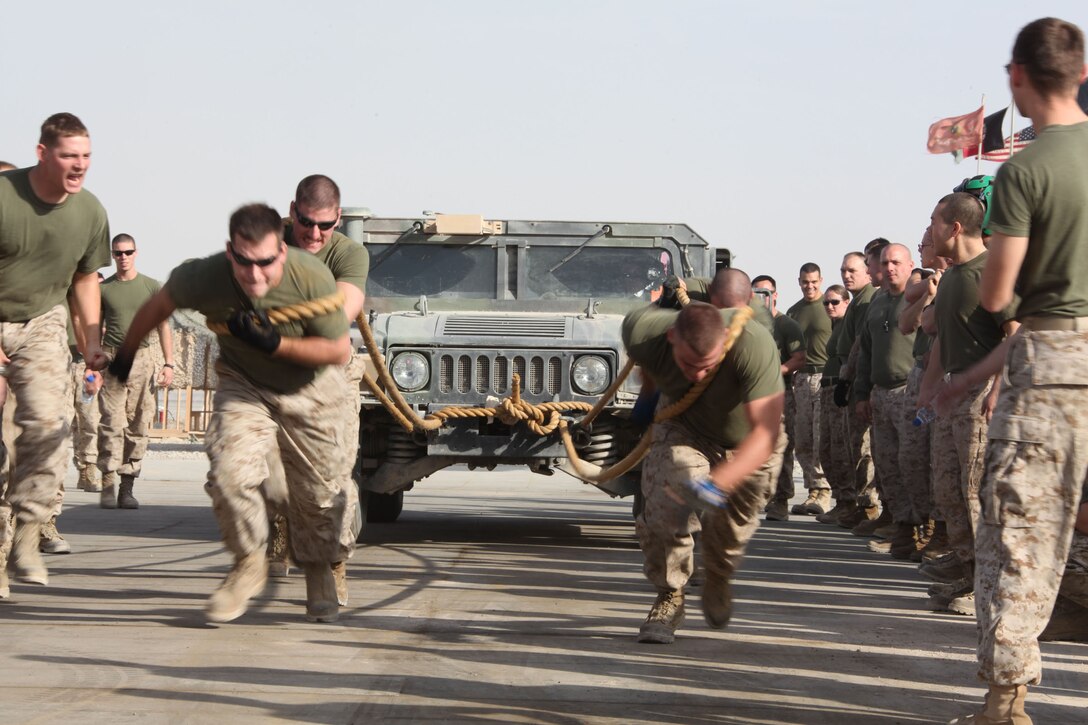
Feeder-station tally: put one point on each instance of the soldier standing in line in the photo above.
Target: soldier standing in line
(277, 384)
(1037, 456)
(315, 215)
(127, 408)
(863, 277)
(885, 359)
(834, 441)
(815, 324)
(716, 456)
(54, 236)
(790, 342)
(966, 335)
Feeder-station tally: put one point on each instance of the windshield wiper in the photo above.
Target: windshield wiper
(602, 231)
(416, 228)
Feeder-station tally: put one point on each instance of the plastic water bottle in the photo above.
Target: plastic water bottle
(88, 395)
(924, 416)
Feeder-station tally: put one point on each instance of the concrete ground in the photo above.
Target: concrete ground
(498, 597)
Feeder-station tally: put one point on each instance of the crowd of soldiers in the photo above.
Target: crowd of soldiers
(933, 406)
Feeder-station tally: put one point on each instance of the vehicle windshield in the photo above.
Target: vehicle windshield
(425, 269)
(596, 272)
(471, 271)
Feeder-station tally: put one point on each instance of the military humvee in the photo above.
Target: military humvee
(458, 304)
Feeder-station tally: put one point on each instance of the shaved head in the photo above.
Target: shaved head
(730, 288)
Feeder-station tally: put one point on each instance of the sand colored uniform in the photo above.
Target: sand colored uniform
(690, 444)
(265, 405)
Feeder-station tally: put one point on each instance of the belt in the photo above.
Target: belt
(1048, 322)
(828, 382)
(810, 369)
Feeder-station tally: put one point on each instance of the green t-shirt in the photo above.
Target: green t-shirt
(834, 362)
(121, 299)
(887, 355)
(207, 285)
(1040, 193)
(816, 325)
(346, 259)
(749, 372)
(966, 330)
(43, 246)
(788, 338)
(854, 319)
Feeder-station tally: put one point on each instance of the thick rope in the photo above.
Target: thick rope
(293, 313)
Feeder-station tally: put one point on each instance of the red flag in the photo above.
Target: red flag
(950, 134)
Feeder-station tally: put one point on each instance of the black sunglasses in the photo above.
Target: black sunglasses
(833, 303)
(123, 252)
(310, 223)
(247, 262)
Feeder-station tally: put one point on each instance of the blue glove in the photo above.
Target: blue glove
(702, 495)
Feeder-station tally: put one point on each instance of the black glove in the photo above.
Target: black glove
(642, 414)
(668, 298)
(254, 327)
(842, 393)
(121, 365)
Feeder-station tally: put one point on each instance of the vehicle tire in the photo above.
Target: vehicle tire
(384, 508)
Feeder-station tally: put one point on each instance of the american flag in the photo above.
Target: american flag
(1020, 140)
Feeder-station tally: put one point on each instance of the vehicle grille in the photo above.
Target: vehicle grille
(482, 326)
(492, 373)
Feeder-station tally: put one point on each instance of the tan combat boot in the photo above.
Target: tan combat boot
(665, 617)
(822, 503)
(89, 479)
(108, 498)
(321, 603)
(804, 506)
(52, 542)
(279, 564)
(777, 510)
(868, 528)
(5, 586)
(26, 561)
(340, 575)
(125, 499)
(245, 580)
(1004, 706)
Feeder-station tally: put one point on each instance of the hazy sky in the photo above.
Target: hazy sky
(788, 133)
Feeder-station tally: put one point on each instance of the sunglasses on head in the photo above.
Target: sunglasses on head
(833, 303)
(310, 223)
(247, 262)
(123, 253)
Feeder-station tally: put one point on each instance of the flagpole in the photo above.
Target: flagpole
(981, 132)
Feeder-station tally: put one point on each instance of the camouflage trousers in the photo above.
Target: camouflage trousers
(858, 435)
(1036, 466)
(249, 424)
(276, 489)
(38, 376)
(784, 488)
(957, 452)
(806, 429)
(666, 528)
(127, 410)
(901, 454)
(1074, 586)
(84, 422)
(835, 447)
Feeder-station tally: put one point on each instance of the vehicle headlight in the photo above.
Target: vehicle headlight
(410, 371)
(590, 374)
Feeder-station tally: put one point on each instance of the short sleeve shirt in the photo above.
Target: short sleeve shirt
(1040, 194)
(207, 286)
(121, 299)
(816, 326)
(966, 330)
(347, 259)
(42, 246)
(749, 372)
